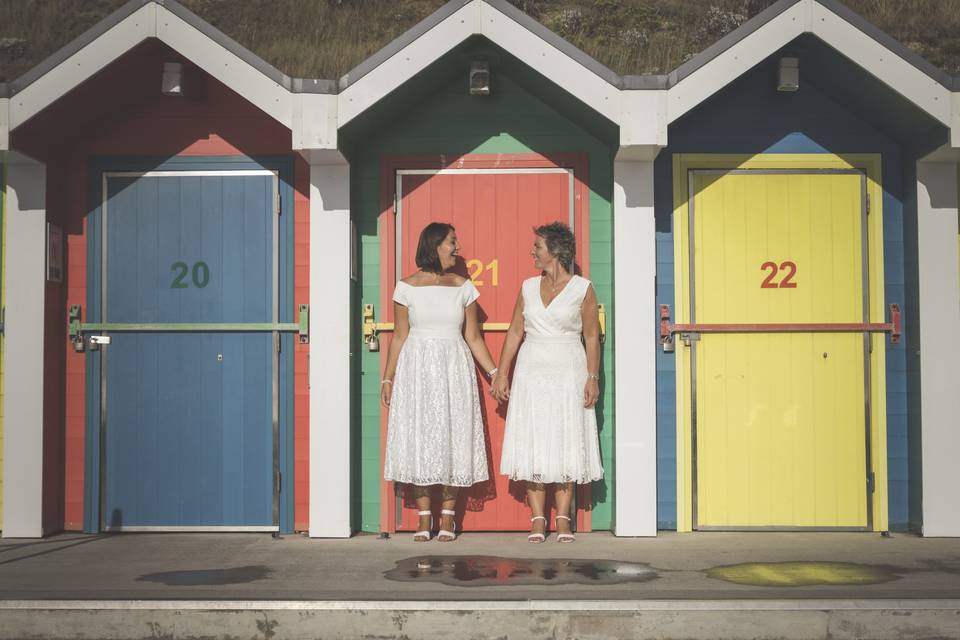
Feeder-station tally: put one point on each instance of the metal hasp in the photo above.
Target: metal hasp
(76, 337)
(602, 314)
(371, 327)
(77, 329)
(304, 324)
(668, 329)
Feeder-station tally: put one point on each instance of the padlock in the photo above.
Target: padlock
(373, 342)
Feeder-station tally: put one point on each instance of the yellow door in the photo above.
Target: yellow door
(780, 431)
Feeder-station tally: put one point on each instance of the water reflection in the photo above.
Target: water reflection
(479, 571)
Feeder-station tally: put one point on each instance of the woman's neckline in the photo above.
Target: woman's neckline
(436, 286)
(559, 293)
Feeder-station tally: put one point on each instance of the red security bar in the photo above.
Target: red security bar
(668, 329)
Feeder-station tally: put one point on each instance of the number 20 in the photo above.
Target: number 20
(786, 283)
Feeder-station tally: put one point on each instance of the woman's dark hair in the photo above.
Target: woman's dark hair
(432, 237)
(560, 242)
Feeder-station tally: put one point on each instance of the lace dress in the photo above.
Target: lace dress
(435, 428)
(550, 436)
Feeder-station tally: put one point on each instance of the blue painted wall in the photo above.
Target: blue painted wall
(750, 117)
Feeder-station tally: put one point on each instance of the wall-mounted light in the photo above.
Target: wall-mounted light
(788, 75)
(480, 78)
(172, 84)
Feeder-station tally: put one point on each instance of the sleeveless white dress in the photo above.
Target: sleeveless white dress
(435, 428)
(550, 436)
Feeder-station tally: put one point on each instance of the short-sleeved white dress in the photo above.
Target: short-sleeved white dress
(550, 436)
(435, 428)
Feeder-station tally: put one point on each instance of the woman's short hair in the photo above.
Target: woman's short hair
(432, 237)
(560, 242)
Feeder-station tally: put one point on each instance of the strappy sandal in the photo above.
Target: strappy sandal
(424, 536)
(447, 536)
(537, 538)
(565, 537)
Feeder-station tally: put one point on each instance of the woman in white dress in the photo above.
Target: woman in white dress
(435, 428)
(551, 430)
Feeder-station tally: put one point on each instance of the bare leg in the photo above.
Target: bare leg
(422, 495)
(449, 504)
(563, 495)
(536, 497)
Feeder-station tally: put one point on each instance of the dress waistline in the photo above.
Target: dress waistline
(568, 339)
(434, 333)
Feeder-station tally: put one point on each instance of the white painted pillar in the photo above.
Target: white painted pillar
(25, 286)
(329, 371)
(939, 289)
(634, 259)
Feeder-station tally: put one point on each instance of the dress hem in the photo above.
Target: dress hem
(430, 484)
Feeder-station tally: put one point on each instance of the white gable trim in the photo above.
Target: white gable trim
(266, 94)
(152, 20)
(78, 68)
(4, 124)
(408, 62)
(809, 16)
(480, 18)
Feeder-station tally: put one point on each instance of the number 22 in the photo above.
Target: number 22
(786, 283)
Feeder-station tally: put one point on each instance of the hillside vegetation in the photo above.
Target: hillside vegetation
(326, 38)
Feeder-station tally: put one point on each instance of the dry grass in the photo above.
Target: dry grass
(325, 38)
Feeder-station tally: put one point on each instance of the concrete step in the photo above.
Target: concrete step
(875, 619)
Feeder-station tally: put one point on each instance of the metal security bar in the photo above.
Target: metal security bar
(371, 327)
(689, 331)
(78, 329)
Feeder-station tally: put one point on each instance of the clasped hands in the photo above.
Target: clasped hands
(500, 387)
(500, 390)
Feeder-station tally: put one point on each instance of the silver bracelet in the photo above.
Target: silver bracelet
(492, 372)
(386, 381)
(594, 376)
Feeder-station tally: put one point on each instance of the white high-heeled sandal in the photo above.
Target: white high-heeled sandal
(447, 536)
(537, 537)
(565, 537)
(424, 536)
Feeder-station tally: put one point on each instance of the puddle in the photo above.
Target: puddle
(199, 577)
(484, 571)
(802, 574)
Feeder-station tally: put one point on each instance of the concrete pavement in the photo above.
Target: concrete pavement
(776, 585)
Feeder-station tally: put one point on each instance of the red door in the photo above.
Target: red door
(494, 203)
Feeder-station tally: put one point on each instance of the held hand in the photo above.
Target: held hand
(499, 387)
(591, 393)
(386, 393)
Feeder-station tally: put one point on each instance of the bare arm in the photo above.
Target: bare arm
(401, 327)
(501, 384)
(590, 316)
(474, 339)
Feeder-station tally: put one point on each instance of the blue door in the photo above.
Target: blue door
(189, 427)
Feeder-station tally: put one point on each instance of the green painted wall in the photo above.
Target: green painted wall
(441, 117)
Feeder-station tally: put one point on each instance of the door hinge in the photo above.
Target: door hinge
(277, 341)
(277, 480)
(868, 204)
(871, 481)
(276, 203)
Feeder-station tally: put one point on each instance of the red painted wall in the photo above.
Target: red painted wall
(121, 112)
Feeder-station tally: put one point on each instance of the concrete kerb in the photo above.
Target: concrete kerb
(660, 620)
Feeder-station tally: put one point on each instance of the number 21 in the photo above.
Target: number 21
(476, 269)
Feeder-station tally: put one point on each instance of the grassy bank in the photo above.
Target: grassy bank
(326, 38)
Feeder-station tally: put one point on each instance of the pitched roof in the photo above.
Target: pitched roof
(905, 72)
